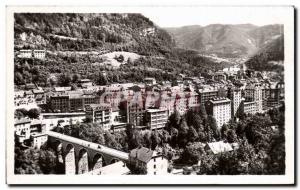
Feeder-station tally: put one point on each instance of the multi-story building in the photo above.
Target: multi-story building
(99, 114)
(25, 129)
(156, 118)
(249, 107)
(207, 94)
(25, 53)
(272, 94)
(60, 103)
(39, 54)
(235, 95)
(135, 113)
(254, 93)
(220, 109)
(180, 103)
(72, 102)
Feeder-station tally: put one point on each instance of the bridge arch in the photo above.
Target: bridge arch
(70, 166)
(83, 161)
(98, 161)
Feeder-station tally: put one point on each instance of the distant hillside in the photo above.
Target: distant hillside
(225, 40)
(115, 32)
(270, 57)
(126, 47)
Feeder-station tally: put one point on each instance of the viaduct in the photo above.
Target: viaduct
(79, 156)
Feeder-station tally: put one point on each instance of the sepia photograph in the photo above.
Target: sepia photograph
(183, 95)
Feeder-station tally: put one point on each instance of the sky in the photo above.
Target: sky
(182, 16)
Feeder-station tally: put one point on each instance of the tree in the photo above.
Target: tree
(182, 133)
(231, 136)
(192, 134)
(75, 78)
(47, 161)
(33, 113)
(212, 129)
(155, 140)
(174, 120)
(34, 161)
(64, 79)
(110, 141)
(191, 154)
(202, 112)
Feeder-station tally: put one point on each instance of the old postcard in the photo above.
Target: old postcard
(150, 95)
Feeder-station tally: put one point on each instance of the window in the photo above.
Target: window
(154, 173)
(154, 166)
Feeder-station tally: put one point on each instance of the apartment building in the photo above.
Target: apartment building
(220, 109)
(254, 93)
(99, 114)
(207, 94)
(249, 107)
(235, 95)
(156, 118)
(39, 54)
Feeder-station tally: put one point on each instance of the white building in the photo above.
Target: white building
(155, 163)
(220, 109)
(25, 53)
(156, 118)
(39, 54)
(235, 95)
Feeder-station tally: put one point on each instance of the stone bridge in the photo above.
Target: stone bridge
(80, 156)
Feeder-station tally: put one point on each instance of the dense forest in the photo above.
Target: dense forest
(83, 32)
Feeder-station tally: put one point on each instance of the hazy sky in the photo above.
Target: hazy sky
(181, 16)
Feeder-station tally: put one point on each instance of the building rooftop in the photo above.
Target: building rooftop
(98, 106)
(37, 134)
(153, 110)
(22, 121)
(219, 100)
(220, 146)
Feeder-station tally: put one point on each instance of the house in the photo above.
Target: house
(154, 162)
(22, 129)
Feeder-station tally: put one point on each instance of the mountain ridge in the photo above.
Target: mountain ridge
(225, 40)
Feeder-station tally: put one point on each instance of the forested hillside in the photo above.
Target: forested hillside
(56, 31)
(268, 58)
(76, 44)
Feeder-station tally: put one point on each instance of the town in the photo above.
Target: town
(50, 117)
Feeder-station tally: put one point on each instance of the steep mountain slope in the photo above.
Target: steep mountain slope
(270, 57)
(225, 40)
(56, 31)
